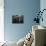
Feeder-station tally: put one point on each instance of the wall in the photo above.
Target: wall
(1, 20)
(13, 32)
(43, 6)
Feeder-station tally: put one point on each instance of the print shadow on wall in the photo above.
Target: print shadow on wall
(16, 19)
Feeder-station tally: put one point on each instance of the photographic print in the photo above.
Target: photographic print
(17, 19)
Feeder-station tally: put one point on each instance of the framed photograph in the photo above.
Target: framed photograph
(17, 19)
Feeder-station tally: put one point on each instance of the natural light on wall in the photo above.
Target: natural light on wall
(1, 20)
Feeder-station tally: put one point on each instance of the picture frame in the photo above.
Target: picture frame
(16, 19)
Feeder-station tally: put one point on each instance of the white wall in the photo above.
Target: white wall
(43, 6)
(1, 20)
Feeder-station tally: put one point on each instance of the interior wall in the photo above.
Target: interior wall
(1, 20)
(43, 6)
(28, 8)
